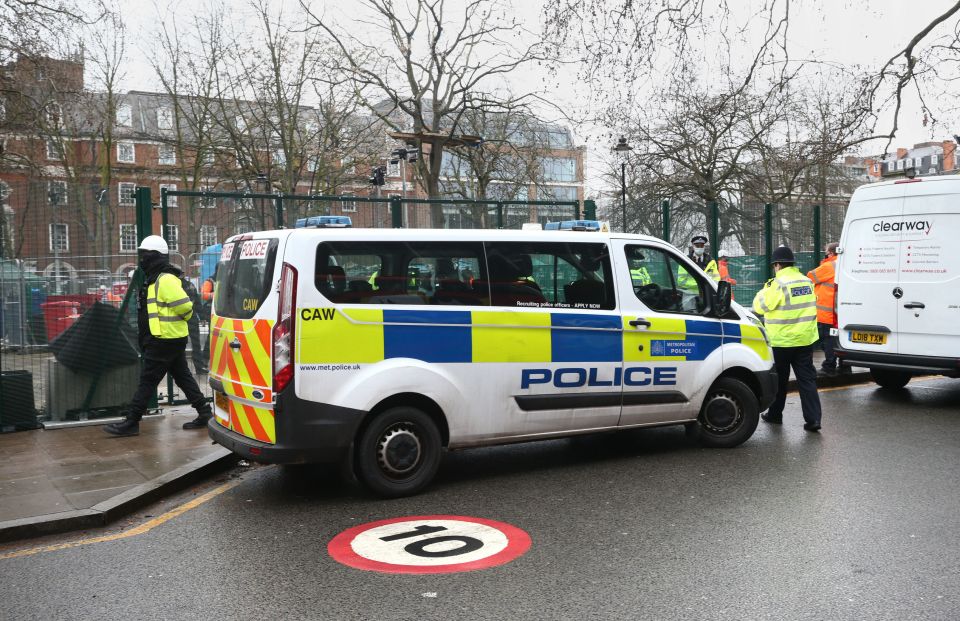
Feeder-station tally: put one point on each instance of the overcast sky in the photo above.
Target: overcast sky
(840, 31)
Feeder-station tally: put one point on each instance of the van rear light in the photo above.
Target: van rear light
(283, 332)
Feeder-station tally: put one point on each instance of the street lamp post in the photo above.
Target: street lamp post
(623, 149)
(404, 155)
(54, 197)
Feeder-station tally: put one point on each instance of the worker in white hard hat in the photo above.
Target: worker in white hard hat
(163, 310)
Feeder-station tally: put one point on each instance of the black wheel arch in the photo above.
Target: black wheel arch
(415, 400)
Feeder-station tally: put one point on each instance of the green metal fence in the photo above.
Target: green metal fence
(748, 233)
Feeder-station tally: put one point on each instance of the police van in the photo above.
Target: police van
(324, 348)
(898, 279)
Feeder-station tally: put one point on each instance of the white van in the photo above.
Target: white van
(380, 348)
(898, 282)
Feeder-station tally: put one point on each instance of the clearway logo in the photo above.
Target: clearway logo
(920, 226)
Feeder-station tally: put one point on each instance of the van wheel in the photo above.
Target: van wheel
(398, 453)
(886, 378)
(729, 414)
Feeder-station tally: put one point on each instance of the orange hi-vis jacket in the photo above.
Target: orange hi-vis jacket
(825, 286)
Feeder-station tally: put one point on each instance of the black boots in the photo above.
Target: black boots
(204, 415)
(126, 427)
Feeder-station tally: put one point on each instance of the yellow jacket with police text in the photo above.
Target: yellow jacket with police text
(789, 309)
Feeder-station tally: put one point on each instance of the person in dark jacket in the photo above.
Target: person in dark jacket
(193, 327)
(163, 311)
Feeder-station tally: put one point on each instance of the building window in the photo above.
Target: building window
(348, 204)
(559, 169)
(54, 151)
(57, 192)
(164, 118)
(59, 237)
(240, 122)
(209, 158)
(934, 159)
(126, 193)
(207, 202)
(393, 169)
(126, 153)
(348, 166)
(167, 155)
(4, 190)
(279, 158)
(208, 235)
(313, 163)
(124, 115)
(559, 193)
(876, 167)
(128, 238)
(170, 187)
(53, 113)
(172, 234)
(899, 164)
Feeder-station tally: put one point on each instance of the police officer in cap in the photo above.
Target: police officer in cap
(700, 256)
(788, 306)
(163, 310)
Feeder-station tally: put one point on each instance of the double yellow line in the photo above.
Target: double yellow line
(133, 532)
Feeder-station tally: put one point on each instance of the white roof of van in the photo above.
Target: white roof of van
(883, 185)
(449, 235)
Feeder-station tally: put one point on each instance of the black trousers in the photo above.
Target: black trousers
(162, 356)
(801, 359)
(826, 342)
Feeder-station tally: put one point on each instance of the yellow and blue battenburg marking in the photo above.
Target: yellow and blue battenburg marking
(365, 335)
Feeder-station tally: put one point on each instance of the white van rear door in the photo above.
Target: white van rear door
(867, 309)
(929, 310)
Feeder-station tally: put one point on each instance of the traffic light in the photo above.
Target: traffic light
(377, 175)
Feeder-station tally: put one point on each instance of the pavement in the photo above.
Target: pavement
(58, 480)
(78, 477)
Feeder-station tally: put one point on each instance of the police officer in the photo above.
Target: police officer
(163, 310)
(700, 256)
(789, 309)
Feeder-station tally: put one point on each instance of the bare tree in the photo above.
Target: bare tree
(431, 70)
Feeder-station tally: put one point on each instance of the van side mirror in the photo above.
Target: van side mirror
(722, 298)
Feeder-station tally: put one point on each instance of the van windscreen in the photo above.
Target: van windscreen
(244, 275)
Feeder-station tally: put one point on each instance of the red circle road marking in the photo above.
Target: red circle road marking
(342, 550)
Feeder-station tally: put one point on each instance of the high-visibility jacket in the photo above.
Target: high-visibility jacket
(724, 270)
(641, 275)
(825, 286)
(712, 270)
(789, 309)
(168, 307)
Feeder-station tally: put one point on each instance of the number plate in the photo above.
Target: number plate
(221, 400)
(868, 338)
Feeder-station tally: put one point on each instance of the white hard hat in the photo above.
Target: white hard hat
(154, 242)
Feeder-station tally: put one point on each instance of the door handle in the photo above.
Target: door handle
(636, 323)
(914, 305)
(235, 344)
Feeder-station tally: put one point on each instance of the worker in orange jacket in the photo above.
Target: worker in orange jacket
(724, 268)
(825, 288)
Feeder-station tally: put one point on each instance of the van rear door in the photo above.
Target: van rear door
(241, 325)
(867, 306)
(929, 311)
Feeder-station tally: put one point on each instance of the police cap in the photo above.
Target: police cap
(782, 254)
(699, 239)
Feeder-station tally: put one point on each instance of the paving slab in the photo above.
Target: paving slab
(53, 480)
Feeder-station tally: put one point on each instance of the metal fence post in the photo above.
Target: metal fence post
(278, 206)
(665, 211)
(768, 238)
(499, 215)
(396, 212)
(714, 228)
(589, 210)
(144, 215)
(817, 233)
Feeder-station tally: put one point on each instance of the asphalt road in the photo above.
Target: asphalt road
(858, 522)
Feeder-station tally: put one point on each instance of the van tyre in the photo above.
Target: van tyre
(886, 378)
(398, 453)
(729, 414)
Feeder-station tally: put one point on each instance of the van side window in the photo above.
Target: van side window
(442, 273)
(550, 275)
(663, 283)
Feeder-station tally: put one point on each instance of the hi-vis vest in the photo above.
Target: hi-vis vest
(168, 307)
(640, 275)
(825, 286)
(788, 305)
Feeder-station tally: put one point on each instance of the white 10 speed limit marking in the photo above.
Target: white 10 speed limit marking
(429, 544)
